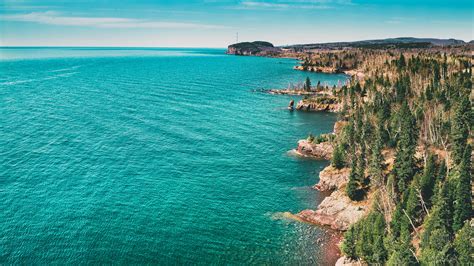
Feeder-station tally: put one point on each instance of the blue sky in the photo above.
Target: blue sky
(214, 23)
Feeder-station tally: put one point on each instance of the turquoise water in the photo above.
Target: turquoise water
(159, 156)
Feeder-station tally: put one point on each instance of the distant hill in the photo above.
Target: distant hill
(401, 42)
(252, 48)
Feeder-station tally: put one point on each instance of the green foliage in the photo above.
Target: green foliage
(348, 247)
(436, 241)
(428, 180)
(413, 206)
(364, 239)
(462, 197)
(460, 129)
(404, 167)
(355, 188)
(337, 159)
(403, 253)
(463, 245)
(376, 160)
(307, 84)
(351, 188)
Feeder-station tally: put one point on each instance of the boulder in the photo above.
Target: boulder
(331, 178)
(336, 211)
(321, 150)
(345, 261)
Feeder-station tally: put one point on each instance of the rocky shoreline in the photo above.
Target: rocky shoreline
(336, 211)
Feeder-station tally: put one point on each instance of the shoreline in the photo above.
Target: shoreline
(336, 212)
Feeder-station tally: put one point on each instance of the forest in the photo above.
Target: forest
(408, 143)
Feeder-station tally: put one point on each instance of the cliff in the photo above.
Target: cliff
(320, 103)
(260, 48)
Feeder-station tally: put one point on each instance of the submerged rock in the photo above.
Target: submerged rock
(336, 211)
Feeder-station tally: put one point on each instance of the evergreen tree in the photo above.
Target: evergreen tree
(337, 159)
(436, 238)
(378, 252)
(442, 169)
(307, 84)
(349, 244)
(460, 128)
(401, 63)
(413, 206)
(463, 198)
(428, 180)
(376, 160)
(403, 254)
(463, 246)
(404, 167)
(351, 187)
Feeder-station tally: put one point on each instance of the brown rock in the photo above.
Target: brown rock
(328, 104)
(338, 126)
(336, 211)
(345, 261)
(321, 150)
(331, 178)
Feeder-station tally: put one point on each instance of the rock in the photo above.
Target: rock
(291, 105)
(345, 261)
(336, 211)
(320, 103)
(331, 178)
(321, 150)
(339, 126)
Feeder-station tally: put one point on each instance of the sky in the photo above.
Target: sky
(215, 23)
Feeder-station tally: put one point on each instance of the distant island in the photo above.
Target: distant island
(253, 48)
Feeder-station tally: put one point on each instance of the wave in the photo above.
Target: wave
(15, 82)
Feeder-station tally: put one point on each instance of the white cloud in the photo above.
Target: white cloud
(295, 4)
(55, 18)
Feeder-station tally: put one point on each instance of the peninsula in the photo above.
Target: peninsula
(401, 174)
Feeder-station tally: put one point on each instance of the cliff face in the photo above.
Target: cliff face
(253, 48)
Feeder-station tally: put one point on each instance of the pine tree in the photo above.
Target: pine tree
(401, 63)
(379, 252)
(403, 254)
(428, 180)
(376, 160)
(413, 206)
(404, 167)
(460, 128)
(307, 84)
(436, 238)
(337, 159)
(349, 244)
(463, 245)
(351, 187)
(463, 198)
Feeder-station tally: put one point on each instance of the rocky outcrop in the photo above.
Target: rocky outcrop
(329, 70)
(345, 261)
(259, 48)
(336, 211)
(326, 103)
(331, 178)
(321, 150)
(339, 126)
(290, 92)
